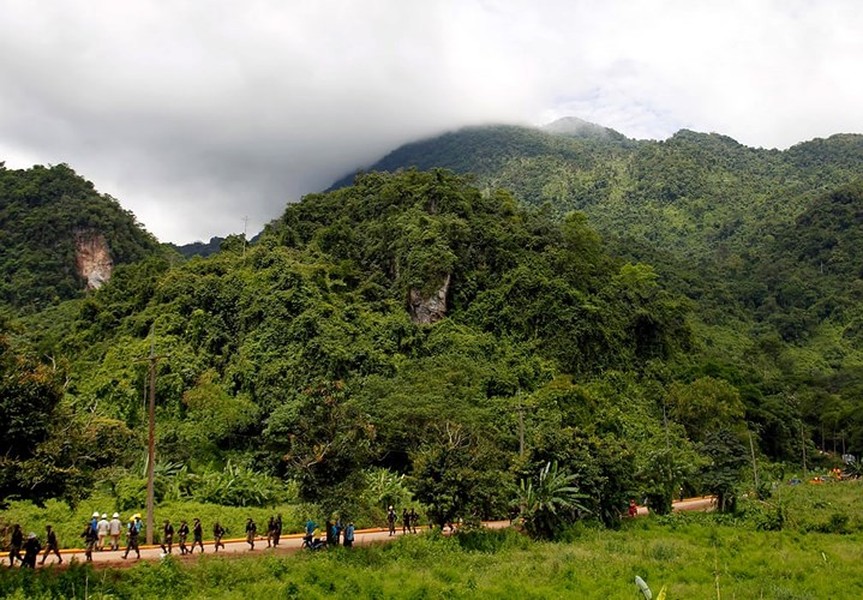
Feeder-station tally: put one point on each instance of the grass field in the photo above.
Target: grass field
(693, 555)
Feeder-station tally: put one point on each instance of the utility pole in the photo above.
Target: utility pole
(803, 446)
(520, 430)
(754, 467)
(152, 359)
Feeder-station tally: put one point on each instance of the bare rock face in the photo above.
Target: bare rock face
(93, 258)
(428, 310)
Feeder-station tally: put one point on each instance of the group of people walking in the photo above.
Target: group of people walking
(101, 533)
(410, 519)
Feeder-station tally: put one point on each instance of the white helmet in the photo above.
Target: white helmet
(96, 514)
(104, 515)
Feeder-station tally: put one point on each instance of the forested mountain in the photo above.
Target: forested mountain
(762, 241)
(58, 236)
(630, 311)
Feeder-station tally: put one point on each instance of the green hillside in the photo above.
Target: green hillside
(633, 318)
(46, 213)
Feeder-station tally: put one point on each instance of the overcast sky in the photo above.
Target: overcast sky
(197, 114)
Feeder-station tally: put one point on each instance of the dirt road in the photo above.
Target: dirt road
(288, 544)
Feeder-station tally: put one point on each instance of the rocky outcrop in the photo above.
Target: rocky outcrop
(93, 258)
(431, 309)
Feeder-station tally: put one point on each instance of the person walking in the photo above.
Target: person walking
(114, 528)
(310, 532)
(102, 529)
(414, 520)
(406, 521)
(218, 532)
(328, 532)
(278, 531)
(198, 534)
(182, 534)
(51, 545)
(31, 550)
(132, 531)
(91, 537)
(337, 531)
(349, 535)
(391, 519)
(16, 543)
(251, 530)
(271, 531)
(167, 537)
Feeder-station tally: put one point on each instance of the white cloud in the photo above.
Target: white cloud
(196, 114)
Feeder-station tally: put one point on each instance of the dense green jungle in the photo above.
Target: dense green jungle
(499, 320)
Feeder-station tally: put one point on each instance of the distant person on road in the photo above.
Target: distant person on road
(31, 550)
(277, 534)
(51, 545)
(328, 532)
(310, 531)
(414, 520)
(167, 537)
(391, 519)
(114, 528)
(198, 533)
(94, 521)
(91, 537)
(218, 532)
(182, 534)
(251, 530)
(133, 529)
(271, 531)
(349, 535)
(406, 521)
(102, 529)
(16, 543)
(337, 531)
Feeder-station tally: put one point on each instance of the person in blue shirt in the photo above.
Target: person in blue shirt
(349, 535)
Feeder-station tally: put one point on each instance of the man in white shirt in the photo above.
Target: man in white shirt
(102, 528)
(114, 527)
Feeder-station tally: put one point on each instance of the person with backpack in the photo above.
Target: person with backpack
(31, 550)
(167, 537)
(198, 533)
(182, 533)
(251, 530)
(391, 519)
(277, 533)
(271, 531)
(218, 532)
(51, 545)
(133, 529)
(90, 536)
(414, 520)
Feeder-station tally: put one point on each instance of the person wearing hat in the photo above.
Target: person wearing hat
(132, 531)
(167, 537)
(114, 528)
(182, 532)
(198, 533)
(51, 545)
(251, 530)
(94, 521)
(31, 551)
(102, 530)
(218, 533)
(90, 536)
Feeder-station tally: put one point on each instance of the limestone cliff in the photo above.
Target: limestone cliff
(93, 258)
(429, 310)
